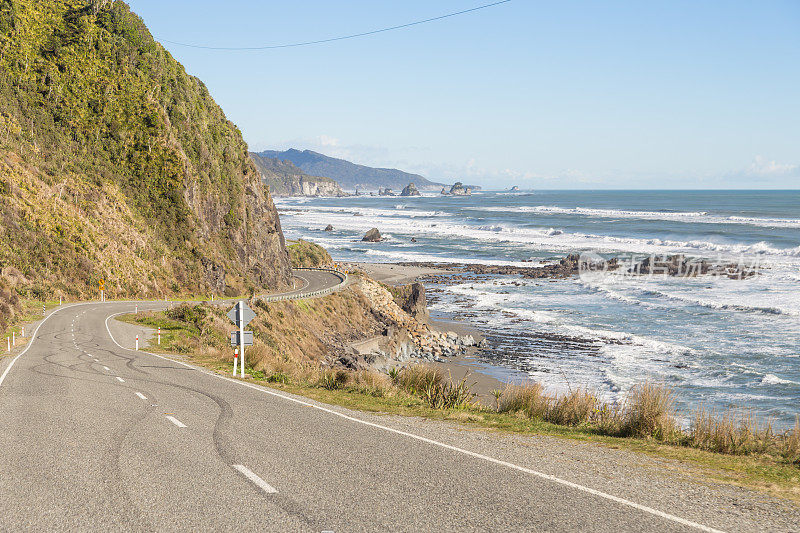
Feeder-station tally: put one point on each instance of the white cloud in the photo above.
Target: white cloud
(763, 168)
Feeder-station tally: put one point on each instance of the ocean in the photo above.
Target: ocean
(718, 342)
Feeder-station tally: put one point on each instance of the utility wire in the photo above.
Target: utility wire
(332, 39)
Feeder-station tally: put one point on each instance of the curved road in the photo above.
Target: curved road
(97, 436)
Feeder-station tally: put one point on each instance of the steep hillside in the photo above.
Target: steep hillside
(285, 179)
(116, 164)
(350, 175)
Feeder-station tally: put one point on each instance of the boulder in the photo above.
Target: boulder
(373, 235)
(410, 190)
(329, 227)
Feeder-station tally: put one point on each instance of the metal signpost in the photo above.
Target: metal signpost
(102, 285)
(241, 315)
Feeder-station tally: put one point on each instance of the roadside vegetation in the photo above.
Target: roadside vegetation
(305, 254)
(732, 447)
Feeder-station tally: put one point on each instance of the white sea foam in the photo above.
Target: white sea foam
(701, 217)
(445, 225)
(772, 379)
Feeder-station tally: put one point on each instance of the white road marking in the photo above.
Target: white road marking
(140, 395)
(263, 485)
(541, 475)
(106, 369)
(176, 421)
(120, 379)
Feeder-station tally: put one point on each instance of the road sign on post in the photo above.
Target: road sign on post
(248, 313)
(248, 338)
(241, 315)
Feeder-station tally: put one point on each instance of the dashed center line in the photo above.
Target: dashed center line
(120, 379)
(140, 395)
(249, 474)
(176, 421)
(106, 368)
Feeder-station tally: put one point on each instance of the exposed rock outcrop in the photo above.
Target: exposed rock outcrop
(372, 235)
(410, 337)
(410, 190)
(458, 189)
(329, 227)
(411, 299)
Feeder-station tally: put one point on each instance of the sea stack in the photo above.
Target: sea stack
(458, 189)
(410, 190)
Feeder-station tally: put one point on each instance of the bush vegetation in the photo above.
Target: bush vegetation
(305, 254)
(116, 164)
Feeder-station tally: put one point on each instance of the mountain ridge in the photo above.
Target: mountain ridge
(349, 175)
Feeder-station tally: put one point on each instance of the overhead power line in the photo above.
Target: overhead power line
(341, 38)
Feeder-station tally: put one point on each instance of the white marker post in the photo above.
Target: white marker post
(241, 335)
(137, 309)
(102, 295)
(43, 309)
(23, 331)
(13, 339)
(137, 343)
(159, 336)
(235, 359)
(60, 300)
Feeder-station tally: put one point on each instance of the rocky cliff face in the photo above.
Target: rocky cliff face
(285, 179)
(116, 164)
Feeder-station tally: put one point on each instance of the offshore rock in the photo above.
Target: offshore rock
(410, 190)
(372, 235)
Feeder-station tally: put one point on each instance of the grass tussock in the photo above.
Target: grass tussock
(649, 412)
(438, 391)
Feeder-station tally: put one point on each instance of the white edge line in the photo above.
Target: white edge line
(263, 485)
(176, 421)
(30, 342)
(541, 475)
(140, 395)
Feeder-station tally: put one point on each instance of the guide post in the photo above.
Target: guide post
(241, 315)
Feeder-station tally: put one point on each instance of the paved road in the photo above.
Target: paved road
(96, 436)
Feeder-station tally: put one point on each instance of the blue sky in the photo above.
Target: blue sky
(538, 94)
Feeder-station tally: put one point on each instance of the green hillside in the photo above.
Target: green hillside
(116, 164)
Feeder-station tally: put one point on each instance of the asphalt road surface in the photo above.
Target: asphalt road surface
(97, 436)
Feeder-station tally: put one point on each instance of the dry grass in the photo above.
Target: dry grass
(527, 399)
(733, 433)
(649, 411)
(571, 409)
(436, 390)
